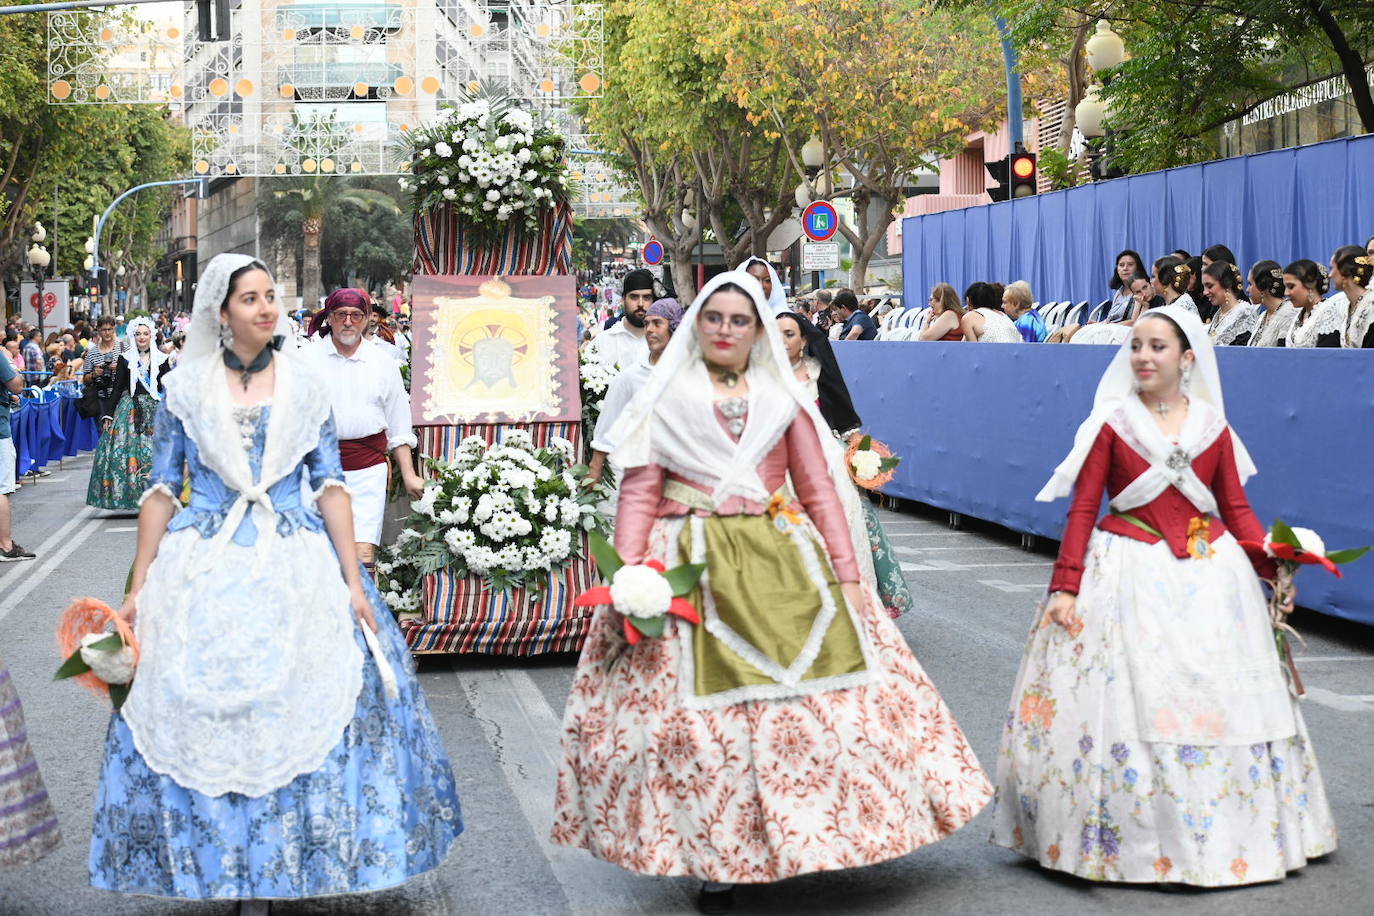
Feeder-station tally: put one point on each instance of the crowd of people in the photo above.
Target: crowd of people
(1301, 304)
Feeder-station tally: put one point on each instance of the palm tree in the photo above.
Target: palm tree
(318, 139)
(318, 195)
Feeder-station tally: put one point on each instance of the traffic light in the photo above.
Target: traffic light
(212, 20)
(1023, 174)
(1015, 175)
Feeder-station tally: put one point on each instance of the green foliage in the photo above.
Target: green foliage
(1194, 65)
(76, 159)
(1058, 168)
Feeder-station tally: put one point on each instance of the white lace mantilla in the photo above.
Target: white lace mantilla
(1361, 319)
(1325, 318)
(247, 677)
(1273, 326)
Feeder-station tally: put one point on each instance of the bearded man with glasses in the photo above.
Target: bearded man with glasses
(371, 411)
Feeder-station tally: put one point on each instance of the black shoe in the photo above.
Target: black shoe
(16, 553)
(716, 903)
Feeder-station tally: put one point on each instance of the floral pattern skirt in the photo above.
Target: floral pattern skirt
(1080, 790)
(124, 455)
(381, 809)
(28, 826)
(887, 568)
(760, 790)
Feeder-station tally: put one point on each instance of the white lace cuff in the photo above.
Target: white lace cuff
(161, 488)
(331, 483)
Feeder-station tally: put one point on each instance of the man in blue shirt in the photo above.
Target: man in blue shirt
(857, 324)
(10, 384)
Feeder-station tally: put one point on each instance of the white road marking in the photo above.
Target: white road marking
(918, 534)
(1333, 658)
(17, 573)
(121, 530)
(1012, 587)
(920, 550)
(524, 732)
(931, 565)
(1340, 701)
(40, 570)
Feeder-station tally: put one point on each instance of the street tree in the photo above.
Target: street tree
(1194, 65)
(889, 87)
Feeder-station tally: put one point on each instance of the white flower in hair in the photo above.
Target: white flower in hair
(641, 591)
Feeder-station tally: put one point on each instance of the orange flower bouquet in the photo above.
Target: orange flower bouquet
(870, 463)
(100, 660)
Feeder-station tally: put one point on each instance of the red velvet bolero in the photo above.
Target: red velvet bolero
(798, 451)
(1114, 465)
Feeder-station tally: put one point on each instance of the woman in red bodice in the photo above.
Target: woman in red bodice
(1152, 736)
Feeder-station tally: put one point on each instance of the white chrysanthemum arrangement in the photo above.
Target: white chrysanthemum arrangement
(509, 512)
(493, 163)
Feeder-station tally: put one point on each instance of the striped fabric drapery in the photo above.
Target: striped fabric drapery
(464, 614)
(444, 246)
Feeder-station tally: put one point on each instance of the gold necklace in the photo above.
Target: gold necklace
(728, 377)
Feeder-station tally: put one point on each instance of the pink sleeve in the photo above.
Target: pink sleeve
(811, 479)
(641, 489)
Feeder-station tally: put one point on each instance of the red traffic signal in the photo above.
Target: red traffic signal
(1023, 174)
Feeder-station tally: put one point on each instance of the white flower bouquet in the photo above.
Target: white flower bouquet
(644, 594)
(595, 378)
(509, 512)
(491, 161)
(98, 649)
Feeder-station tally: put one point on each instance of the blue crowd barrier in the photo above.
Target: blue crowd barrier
(47, 427)
(1286, 204)
(980, 427)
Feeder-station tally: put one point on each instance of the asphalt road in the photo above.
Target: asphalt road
(975, 591)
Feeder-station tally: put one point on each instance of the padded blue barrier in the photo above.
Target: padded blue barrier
(47, 427)
(980, 427)
(1286, 204)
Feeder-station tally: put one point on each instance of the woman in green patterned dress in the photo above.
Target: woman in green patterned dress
(119, 472)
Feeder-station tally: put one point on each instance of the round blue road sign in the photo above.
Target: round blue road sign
(819, 221)
(653, 253)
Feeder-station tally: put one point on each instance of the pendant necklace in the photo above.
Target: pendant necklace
(1162, 409)
(729, 377)
(246, 373)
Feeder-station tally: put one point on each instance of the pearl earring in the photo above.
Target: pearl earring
(226, 336)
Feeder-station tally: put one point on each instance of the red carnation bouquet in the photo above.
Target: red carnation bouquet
(644, 593)
(1291, 549)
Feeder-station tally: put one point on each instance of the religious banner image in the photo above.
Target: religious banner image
(494, 350)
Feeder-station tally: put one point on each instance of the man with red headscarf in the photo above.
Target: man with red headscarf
(371, 411)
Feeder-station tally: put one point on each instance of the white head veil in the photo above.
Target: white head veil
(197, 393)
(1116, 403)
(777, 302)
(672, 422)
(155, 357)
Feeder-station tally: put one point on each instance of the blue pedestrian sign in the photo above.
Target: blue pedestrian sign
(653, 252)
(819, 221)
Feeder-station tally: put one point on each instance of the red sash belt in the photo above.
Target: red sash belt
(369, 451)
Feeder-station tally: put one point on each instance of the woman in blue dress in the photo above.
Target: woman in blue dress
(275, 743)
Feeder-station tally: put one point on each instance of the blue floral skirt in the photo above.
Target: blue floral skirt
(382, 809)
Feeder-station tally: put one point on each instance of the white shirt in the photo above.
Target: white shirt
(390, 349)
(616, 346)
(366, 392)
(618, 394)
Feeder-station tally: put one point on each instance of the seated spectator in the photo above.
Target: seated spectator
(1143, 298)
(1350, 270)
(1180, 253)
(1204, 308)
(1215, 253)
(857, 324)
(1016, 303)
(1233, 320)
(1129, 266)
(945, 315)
(1275, 313)
(984, 319)
(1317, 323)
(1171, 278)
